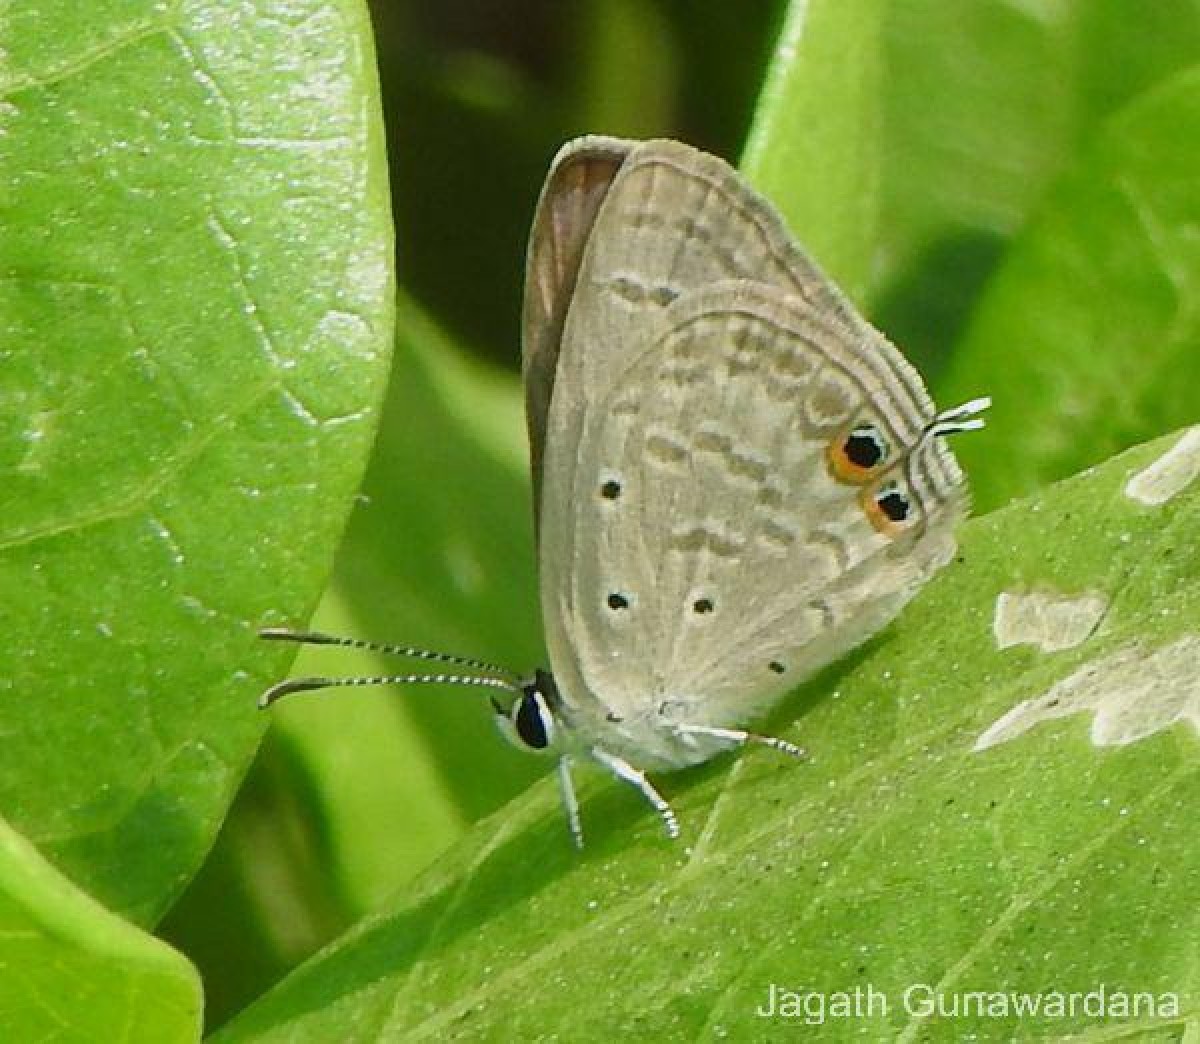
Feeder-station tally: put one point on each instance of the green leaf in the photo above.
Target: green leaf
(1087, 337)
(898, 854)
(74, 971)
(984, 105)
(195, 315)
(814, 146)
(618, 90)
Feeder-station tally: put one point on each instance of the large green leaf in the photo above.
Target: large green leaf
(900, 854)
(814, 145)
(195, 311)
(72, 971)
(1088, 338)
(984, 105)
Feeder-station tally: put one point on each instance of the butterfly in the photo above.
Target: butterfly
(736, 479)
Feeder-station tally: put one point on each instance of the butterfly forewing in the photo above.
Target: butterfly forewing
(675, 220)
(579, 179)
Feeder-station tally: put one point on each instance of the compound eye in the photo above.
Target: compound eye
(888, 507)
(858, 454)
(532, 721)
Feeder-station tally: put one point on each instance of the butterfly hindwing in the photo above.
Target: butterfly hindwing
(714, 555)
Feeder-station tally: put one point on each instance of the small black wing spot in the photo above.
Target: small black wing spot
(893, 503)
(864, 447)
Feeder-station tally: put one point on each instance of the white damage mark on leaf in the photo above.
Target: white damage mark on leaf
(1045, 619)
(38, 435)
(1173, 472)
(1132, 693)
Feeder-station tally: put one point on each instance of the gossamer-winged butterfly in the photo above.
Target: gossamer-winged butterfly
(736, 478)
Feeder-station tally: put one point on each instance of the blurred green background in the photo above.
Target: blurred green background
(983, 105)
(478, 96)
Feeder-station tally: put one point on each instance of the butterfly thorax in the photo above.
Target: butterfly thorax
(652, 738)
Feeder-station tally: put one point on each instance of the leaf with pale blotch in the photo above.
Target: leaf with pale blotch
(898, 854)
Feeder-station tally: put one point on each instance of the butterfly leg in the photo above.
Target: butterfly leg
(621, 768)
(740, 737)
(566, 790)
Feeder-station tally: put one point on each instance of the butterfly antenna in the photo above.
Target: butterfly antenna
(285, 688)
(960, 418)
(283, 634)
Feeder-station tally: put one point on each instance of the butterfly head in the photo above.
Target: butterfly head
(531, 722)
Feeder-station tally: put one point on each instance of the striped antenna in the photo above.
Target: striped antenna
(283, 634)
(284, 688)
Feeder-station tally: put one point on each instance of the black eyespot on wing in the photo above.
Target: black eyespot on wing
(893, 503)
(610, 490)
(859, 454)
(776, 666)
(864, 447)
(888, 507)
(529, 724)
(702, 605)
(616, 600)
